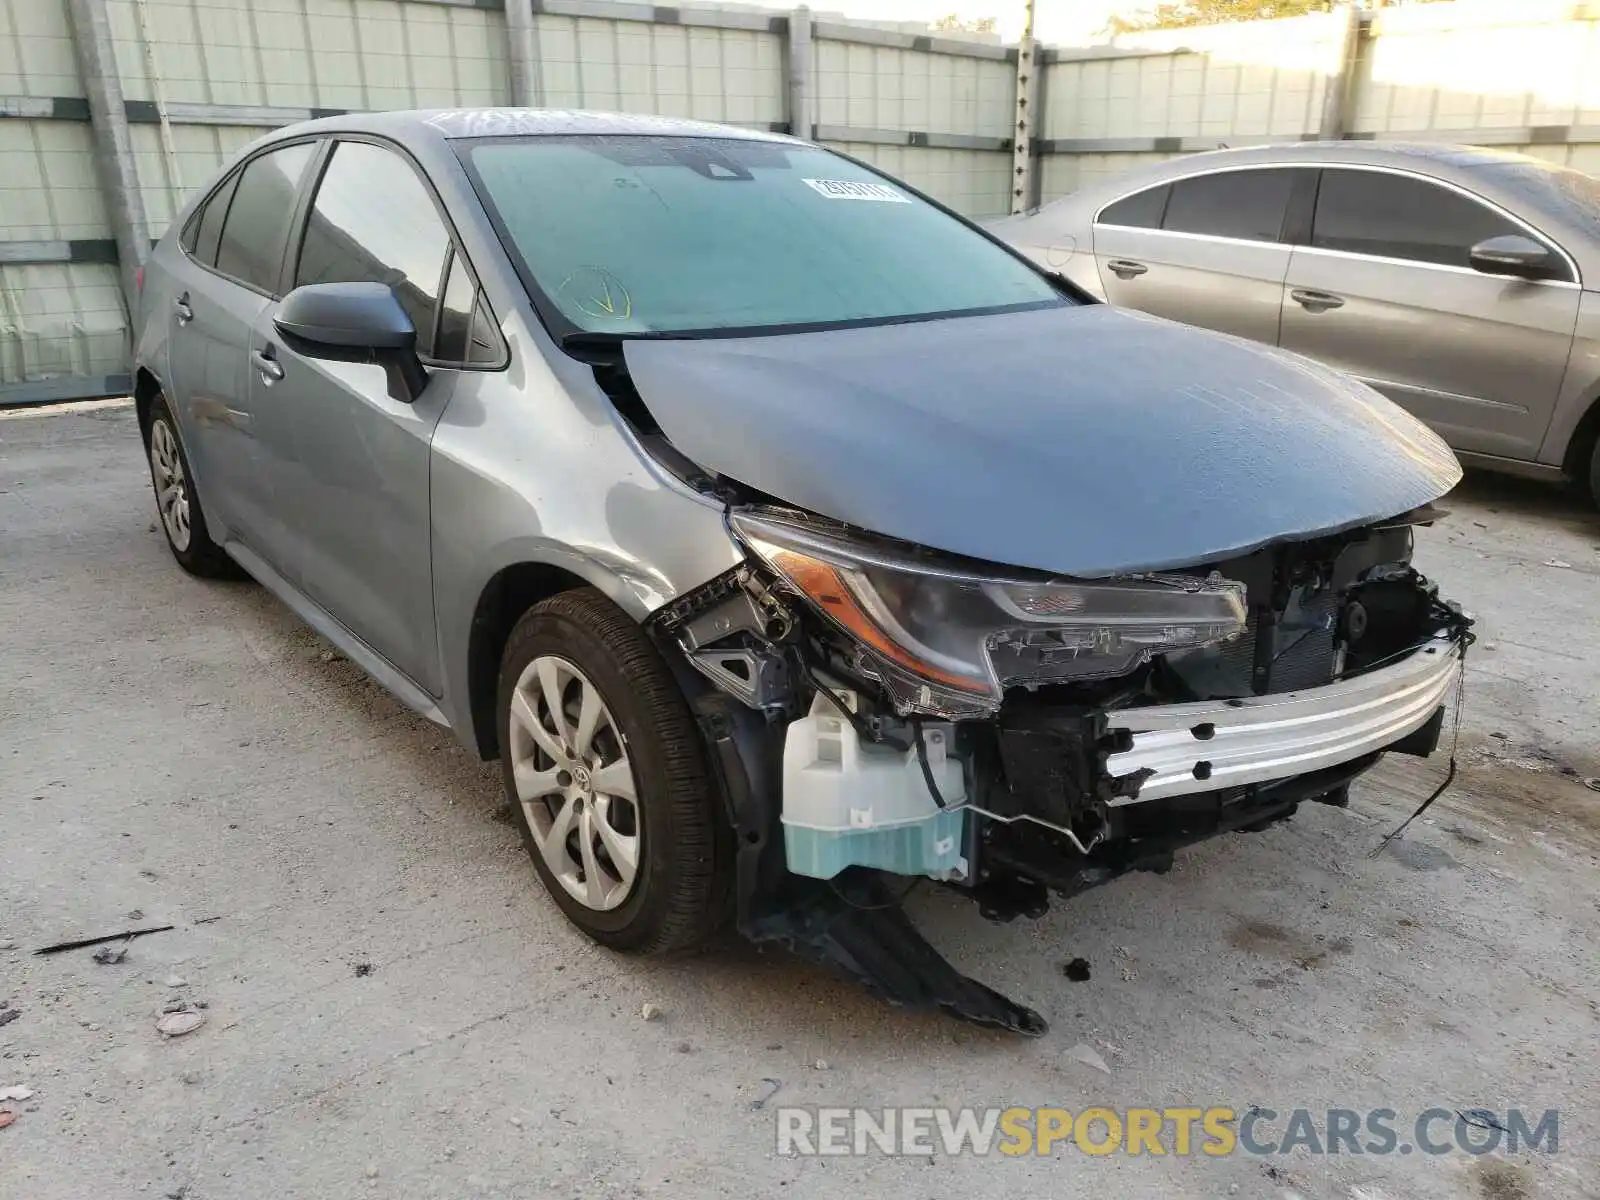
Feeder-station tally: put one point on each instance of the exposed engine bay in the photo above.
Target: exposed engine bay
(877, 710)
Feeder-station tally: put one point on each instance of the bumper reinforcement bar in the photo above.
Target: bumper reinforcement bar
(1215, 744)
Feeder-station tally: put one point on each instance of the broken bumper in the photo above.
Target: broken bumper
(1216, 744)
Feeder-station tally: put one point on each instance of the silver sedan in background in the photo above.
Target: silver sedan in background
(1462, 283)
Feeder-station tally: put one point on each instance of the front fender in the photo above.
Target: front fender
(1580, 389)
(527, 470)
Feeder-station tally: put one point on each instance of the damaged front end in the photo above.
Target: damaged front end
(874, 710)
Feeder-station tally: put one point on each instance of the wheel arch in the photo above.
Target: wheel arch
(512, 591)
(146, 387)
(1580, 446)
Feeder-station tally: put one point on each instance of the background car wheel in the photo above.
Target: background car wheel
(605, 769)
(177, 502)
(1594, 474)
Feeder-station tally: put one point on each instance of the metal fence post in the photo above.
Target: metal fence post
(169, 146)
(522, 38)
(113, 147)
(802, 115)
(1339, 101)
(1024, 182)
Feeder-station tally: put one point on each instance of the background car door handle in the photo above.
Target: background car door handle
(1123, 268)
(181, 307)
(271, 369)
(1315, 302)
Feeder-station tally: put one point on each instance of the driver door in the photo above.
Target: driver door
(360, 472)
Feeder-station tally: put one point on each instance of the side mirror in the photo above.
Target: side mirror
(354, 322)
(1511, 254)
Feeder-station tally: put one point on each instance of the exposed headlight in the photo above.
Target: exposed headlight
(949, 642)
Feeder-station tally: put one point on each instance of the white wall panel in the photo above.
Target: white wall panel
(881, 87)
(59, 321)
(1255, 78)
(731, 75)
(1579, 157)
(1442, 69)
(1064, 173)
(36, 55)
(48, 188)
(975, 183)
(1476, 65)
(360, 54)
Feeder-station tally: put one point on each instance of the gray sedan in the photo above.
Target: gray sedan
(778, 531)
(1461, 283)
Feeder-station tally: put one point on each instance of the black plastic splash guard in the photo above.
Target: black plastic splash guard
(853, 924)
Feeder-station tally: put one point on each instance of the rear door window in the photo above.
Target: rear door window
(1399, 216)
(1142, 210)
(1235, 204)
(257, 224)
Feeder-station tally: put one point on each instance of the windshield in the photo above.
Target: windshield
(632, 234)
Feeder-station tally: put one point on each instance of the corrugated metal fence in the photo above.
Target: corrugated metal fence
(111, 110)
(1522, 75)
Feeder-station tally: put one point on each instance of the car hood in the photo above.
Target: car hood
(1084, 441)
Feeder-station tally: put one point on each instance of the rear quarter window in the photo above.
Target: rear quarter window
(1142, 210)
(207, 222)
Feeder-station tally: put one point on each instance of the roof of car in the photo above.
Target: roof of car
(1362, 150)
(1508, 179)
(1559, 202)
(523, 122)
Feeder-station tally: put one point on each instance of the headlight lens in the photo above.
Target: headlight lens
(949, 642)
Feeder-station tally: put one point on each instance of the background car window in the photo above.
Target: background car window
(1371, 212)
(373, 221)
(1236, 204)
(1142, 210)
(257, 221)
(208, 232)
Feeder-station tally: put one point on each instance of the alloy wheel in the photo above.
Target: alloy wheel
(172, 488)
(574, 782)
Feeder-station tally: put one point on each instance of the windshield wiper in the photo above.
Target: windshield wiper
(580, 338)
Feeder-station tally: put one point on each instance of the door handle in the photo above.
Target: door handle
(181, 307)
(1124, 268)
(1314, 301)
(271, 369)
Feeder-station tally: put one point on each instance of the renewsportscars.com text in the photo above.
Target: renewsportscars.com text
(1215, 1131)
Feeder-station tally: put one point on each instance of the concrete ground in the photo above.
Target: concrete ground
(395, 1009)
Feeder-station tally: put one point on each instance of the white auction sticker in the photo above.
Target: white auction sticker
(850, 189)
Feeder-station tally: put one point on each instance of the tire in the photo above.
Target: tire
(681, 844)
(178, 512)
(1594, 474)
